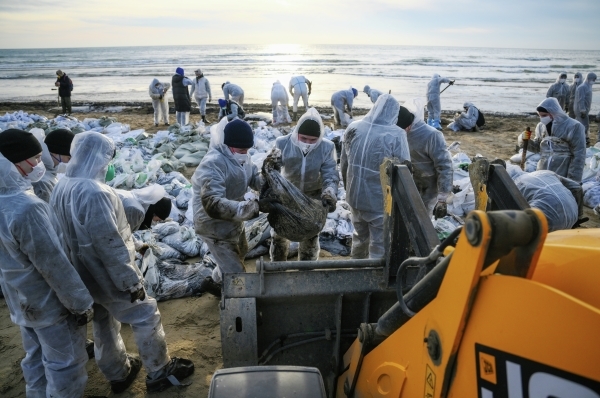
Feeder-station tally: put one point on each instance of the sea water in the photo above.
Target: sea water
(495, 80)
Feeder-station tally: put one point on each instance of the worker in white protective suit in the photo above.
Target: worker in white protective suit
(220, 184)
(201, 93)
(560, 91)
(434, 105)
(366, 143)
(552, 194)
(341, 102)
(308, 160)
(372, 93)
(181, 96)
(561, 141)
(299, 86)
(56, 147)
(145, 205)
(279, 104)
(234, 91)
(100, 244)
(46, 297)
(160, 101)
(577, 80)
(431, 161)
(467, 120)
(583, 103)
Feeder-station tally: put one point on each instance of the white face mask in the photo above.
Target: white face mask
(577, 80)
(545, 120)
(61, 168)
(306, 148)
(37, 173)
(241, 157)
(562, 80)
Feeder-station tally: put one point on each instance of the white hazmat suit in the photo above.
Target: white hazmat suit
(137, 201)
(562, 145)
(577, 80)
(466, 120)
(201, 93)
(432, 163)
(341, 102)
(160, 102)
(299, 87)
(372, 93)
(313, 171)
(100, 244)
(43, 188)
(560, 90)
(583, 102)
(434, 105)
(366, 143)
(279, 104)
(42, 289)
(234, 92)
(219, 185)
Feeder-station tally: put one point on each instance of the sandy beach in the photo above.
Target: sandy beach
(192, 324)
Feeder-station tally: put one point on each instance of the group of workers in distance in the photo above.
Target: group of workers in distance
(66, 247)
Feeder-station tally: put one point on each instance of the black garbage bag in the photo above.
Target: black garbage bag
(294, 216)
(169, 279)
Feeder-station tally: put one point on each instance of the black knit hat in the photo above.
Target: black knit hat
(238, 134)
(17, 145)
(405, 118)
(310, 127)
(59, 142)
(161, 209)
(541, 109)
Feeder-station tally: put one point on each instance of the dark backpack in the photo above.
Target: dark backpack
(70, 84)
(241, 113)
(480, 119)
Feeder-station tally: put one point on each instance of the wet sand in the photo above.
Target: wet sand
(192, 324)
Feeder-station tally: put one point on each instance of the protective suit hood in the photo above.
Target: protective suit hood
(577, 75)
(559, 77)
(468, 105)
(384, 111)
(11, 181)
(367, 89)
(90, 154)
(554, 108)
(590, 77)
(311, 114)
(416, 106)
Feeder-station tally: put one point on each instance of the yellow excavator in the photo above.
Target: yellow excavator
(499, 308)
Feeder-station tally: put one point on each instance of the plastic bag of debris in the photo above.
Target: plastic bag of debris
(296, 216)
(171, 279)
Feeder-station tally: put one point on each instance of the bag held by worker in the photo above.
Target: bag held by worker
(293, 215)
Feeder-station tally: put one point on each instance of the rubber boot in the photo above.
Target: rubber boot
(175, 371)
(429, 121)
(119, 386)
(204, 119)
(295, 116)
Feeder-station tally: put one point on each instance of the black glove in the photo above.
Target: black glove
(329, 202)
(161, 97)
(275, 161)
(139, 294)
(452, 82)
(440, 210)
(85, 317)
(266, 205)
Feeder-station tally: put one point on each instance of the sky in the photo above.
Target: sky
(551, 24)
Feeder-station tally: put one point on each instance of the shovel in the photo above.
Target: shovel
(449, 84)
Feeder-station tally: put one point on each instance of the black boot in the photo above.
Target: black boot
(204, 120)
(178, 369)
(122, 385)
(295, 117)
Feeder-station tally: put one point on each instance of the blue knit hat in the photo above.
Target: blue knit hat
(222, 103)
(355, 92)
(179, 71)
(238, 134)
